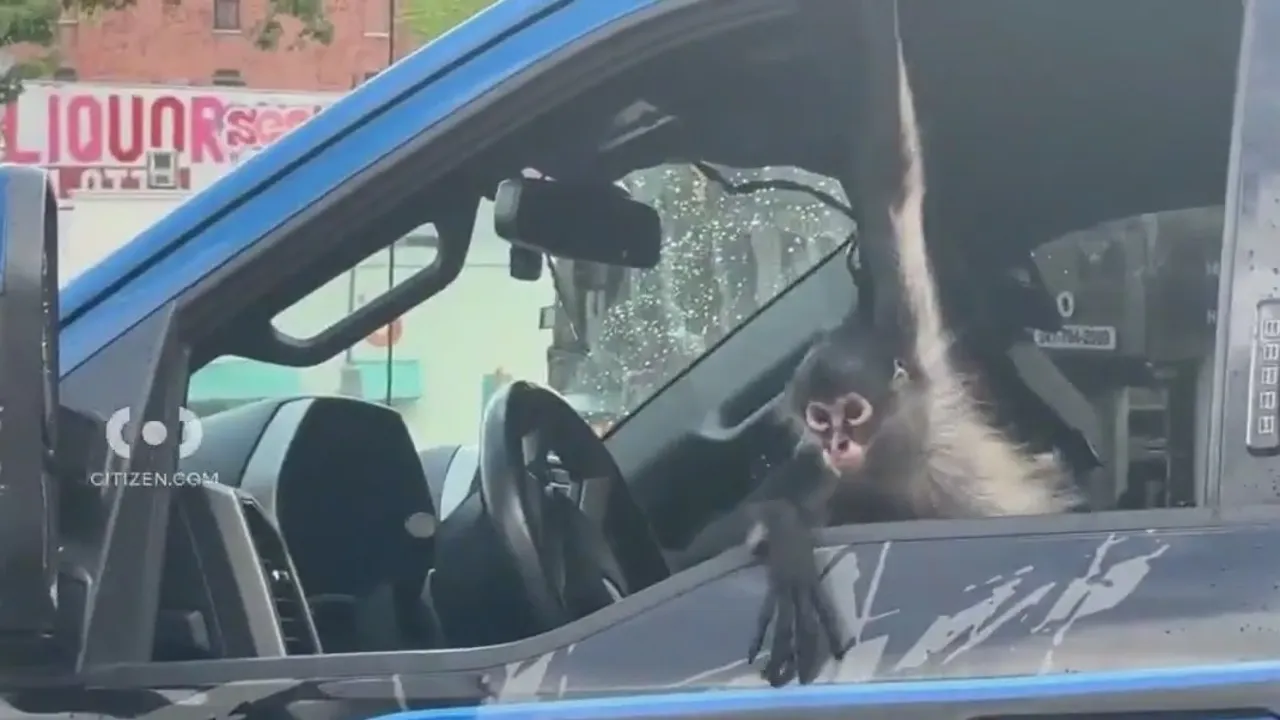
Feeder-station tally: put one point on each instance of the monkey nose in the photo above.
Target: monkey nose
(844, 454)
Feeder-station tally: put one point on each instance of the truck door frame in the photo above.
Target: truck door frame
(1240, 479)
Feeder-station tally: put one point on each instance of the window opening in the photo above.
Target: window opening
(377, 17)
(226, 15)
(228, 78)
(1136, 298)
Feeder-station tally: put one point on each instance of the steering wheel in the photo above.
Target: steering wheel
(571, 561)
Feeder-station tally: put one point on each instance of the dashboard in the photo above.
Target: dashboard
(389, 549)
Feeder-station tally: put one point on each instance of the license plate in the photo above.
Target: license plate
(1078, 337)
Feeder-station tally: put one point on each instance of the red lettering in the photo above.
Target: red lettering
(239, 124)
(293, 117)
(206, 112)
(13, 152)
(172, 106)
(256, 127)
(54, 131)
(296, 116)
(270, 125)
(84, 129)
(118, 127)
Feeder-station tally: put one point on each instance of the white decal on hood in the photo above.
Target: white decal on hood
(1005, 599)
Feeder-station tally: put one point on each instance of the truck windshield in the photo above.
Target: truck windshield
(626, 334)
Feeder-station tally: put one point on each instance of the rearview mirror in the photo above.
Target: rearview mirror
(598, 222)
(28, 401)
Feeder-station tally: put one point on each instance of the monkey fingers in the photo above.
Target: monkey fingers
(827, 620)
(794, 604)
(799, 628)
(767, 609)
(807, 648)
(780, 668)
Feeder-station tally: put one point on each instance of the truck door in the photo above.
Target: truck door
(1244, 439)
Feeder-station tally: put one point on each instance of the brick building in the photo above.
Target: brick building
(209, 42)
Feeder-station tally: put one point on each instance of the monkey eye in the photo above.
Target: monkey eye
(857, 411)
(817, 417)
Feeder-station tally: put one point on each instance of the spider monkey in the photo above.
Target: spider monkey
(888, 430)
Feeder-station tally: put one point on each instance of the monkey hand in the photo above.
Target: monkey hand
(805, 628)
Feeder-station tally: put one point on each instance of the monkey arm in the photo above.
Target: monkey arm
(798, 481)
(805, 628)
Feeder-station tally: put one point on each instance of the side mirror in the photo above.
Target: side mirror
(28, 391)
(598, 222)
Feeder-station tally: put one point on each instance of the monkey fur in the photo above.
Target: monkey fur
(881, 438)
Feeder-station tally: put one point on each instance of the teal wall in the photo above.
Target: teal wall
(239, 380)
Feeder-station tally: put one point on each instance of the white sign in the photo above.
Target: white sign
(103, 137)
(154, 433)
(1078, 337)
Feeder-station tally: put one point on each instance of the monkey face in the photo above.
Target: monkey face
(842, 430)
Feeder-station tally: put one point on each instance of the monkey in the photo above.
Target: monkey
(887, 429)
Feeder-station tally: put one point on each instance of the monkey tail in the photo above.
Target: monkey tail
(892, 190)
(928, 351)
(973, 468)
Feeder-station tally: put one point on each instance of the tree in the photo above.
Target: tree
(29, 31)
(429, 19)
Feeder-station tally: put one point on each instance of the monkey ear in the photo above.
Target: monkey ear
(899, 371)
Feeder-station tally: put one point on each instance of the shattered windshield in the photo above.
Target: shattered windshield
(725, 256)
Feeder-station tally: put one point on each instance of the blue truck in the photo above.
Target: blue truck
(300, 557)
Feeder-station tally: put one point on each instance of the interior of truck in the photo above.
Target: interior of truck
(1103, 144)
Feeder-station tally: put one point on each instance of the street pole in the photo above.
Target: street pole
(391, 251)
(350, 382)
(391, 36)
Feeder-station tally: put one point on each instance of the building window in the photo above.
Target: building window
(65, 74)
(377, 18)
(228, 78)
(226, 14)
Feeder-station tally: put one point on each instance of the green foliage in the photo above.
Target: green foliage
(429, 19)
(35, 23)
(315, 25)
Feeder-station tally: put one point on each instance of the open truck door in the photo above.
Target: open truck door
(28, 413)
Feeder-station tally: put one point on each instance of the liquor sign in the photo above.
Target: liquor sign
(145, 138)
